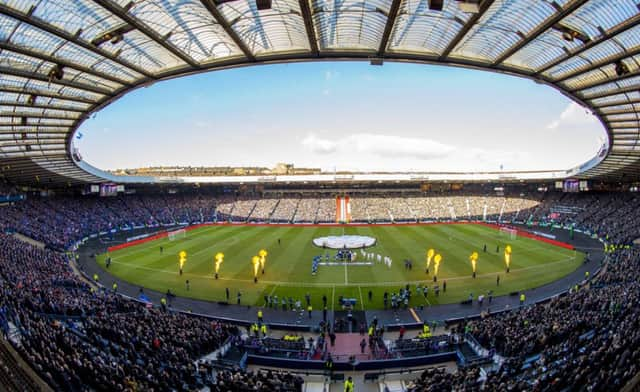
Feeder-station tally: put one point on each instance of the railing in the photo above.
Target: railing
(339, 365)
(475, 346)
(243, 361)
(633, 385)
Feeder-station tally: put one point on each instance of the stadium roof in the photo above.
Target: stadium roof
(61, 60)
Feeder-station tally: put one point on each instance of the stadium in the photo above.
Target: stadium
(251, 278)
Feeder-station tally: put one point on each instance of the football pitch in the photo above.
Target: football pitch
(288, 267)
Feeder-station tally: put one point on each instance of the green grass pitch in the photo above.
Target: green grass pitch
(288, 266)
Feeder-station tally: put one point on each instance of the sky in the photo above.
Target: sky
(344, 116)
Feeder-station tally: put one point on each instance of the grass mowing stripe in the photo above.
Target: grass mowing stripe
(346, 277)
(144, 247)
(169, 255)
(311, 284)
(288, 272)
(494, 259)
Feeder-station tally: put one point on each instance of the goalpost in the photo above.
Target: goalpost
(176, 234)
(512, 233)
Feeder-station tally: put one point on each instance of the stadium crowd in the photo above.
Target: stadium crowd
(587, 340)
(78, 338)
(268, 381)
(285, 210)
(60, 221)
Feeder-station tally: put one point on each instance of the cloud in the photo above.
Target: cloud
(573, 114)
(317, 145)
(386, 146)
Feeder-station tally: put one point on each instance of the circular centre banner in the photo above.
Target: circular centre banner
(344, 242)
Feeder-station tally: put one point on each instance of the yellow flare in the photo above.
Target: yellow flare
(507, 255)
(182, 258)
(255, 260)
(474, 260)
(263, 257)
(437, 259)
(219, 258)
(430, 254)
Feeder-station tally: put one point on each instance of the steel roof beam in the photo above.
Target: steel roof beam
(8, 89)
(308, 26)
(4, 114)
(623, 121)
(217, 15)
(595, 66)
(35, 134)
(63, 82)
(616, 112)
(607, 81)
(41, 106)
(609, 93)
(45, 57)
(42, 25)
(619, 103)
(626, 133)
(141, 27)
(14, 126)
(614, 129)
(572, 7)
(619, 29)
(42, 144)
(484, 6)
(388, 28)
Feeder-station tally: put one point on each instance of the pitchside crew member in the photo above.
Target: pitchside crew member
(348, 385)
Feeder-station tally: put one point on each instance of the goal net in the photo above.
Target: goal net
(176, 234)
(511, 233)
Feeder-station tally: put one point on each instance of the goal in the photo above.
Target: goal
(176, 234)
(506, 231)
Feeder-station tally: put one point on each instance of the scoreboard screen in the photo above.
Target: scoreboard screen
(108, 190)
(571, 186)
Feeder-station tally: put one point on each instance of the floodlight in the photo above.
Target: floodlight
(621, 68)
(263, 4)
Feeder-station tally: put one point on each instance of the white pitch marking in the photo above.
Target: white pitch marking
(299, 284)
(346, 276)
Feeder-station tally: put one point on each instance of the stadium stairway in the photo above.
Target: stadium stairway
(348, 344)
(358, 318)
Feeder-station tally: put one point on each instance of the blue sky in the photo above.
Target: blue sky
(347, 116)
